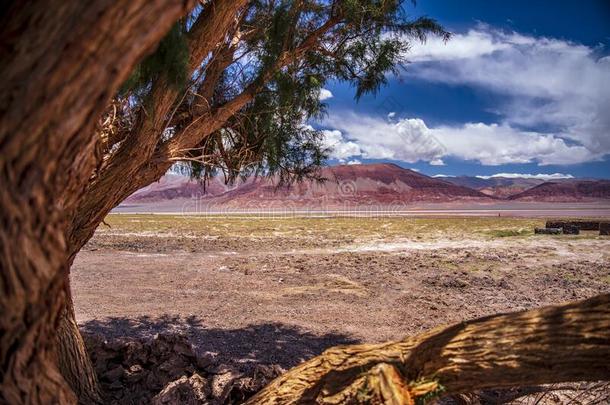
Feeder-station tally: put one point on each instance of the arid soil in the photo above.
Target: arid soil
(255, 291)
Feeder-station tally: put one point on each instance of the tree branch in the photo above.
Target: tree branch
(138, 146)
(541, 346)
(203, 126)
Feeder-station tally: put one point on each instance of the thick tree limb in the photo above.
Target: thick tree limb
(110, 187)
(207, 33)
(205, 36)
(548, 345)
(210, 29)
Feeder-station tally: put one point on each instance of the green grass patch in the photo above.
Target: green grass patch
(506, 233)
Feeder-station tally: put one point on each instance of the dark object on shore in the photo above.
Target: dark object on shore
(571, 229)
(548, 231)
(604, 228)
(582, 225)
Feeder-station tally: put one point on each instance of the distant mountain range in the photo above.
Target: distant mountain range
(575, 190)
(353, 185)
(535, 189)
(383, 184)
(501, 187)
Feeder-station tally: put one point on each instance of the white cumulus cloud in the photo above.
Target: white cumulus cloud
(325, 94)
(411, 140)
(540, 176)
(543, 82)
(475, 43)
(340, 148)
(552, 98)
(437, 162)
(408, 140)
(497, 144)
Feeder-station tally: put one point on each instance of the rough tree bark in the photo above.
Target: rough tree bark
(134, 158)
(104, 192)
(32, 293)
(60, 62)
(142, 160)
(71, 355)
(548, 345)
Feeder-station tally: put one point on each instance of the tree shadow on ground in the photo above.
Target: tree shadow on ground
(267, 343)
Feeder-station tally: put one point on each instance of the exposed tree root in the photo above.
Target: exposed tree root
(548, 345)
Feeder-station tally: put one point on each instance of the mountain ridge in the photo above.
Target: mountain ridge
(381, 184)
(576, 190)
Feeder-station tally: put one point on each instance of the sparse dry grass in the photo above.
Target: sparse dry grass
(359, 228)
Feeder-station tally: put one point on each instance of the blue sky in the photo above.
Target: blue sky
(522, 87)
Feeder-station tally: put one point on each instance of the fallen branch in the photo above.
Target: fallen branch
(541, 346)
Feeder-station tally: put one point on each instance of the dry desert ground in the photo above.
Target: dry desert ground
(251, 290)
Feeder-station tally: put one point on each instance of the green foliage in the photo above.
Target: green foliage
(422, 400)
(355, 41)
(270, 132)
(169, 61)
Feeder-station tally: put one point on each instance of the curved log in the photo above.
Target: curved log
(541, 346)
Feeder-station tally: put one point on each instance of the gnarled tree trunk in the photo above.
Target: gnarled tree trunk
(106, 191)
(31, 285)
(60, 62)
(548, 345)
(72, 358)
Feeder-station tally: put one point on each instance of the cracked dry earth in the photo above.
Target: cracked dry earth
(276, 292)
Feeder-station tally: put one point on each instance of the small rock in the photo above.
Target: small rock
(548, 231)
(174, 366)
(114, 374)
(222, 383)
(187, 391)
(134, 373)
(204, 362)
(243, 388)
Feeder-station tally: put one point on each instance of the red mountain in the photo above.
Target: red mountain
(384, 186)
(381, 185)
(174, 186)
(349, 185)
(575, 190)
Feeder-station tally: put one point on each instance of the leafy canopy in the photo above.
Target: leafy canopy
(288, 51)
(169, 62)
